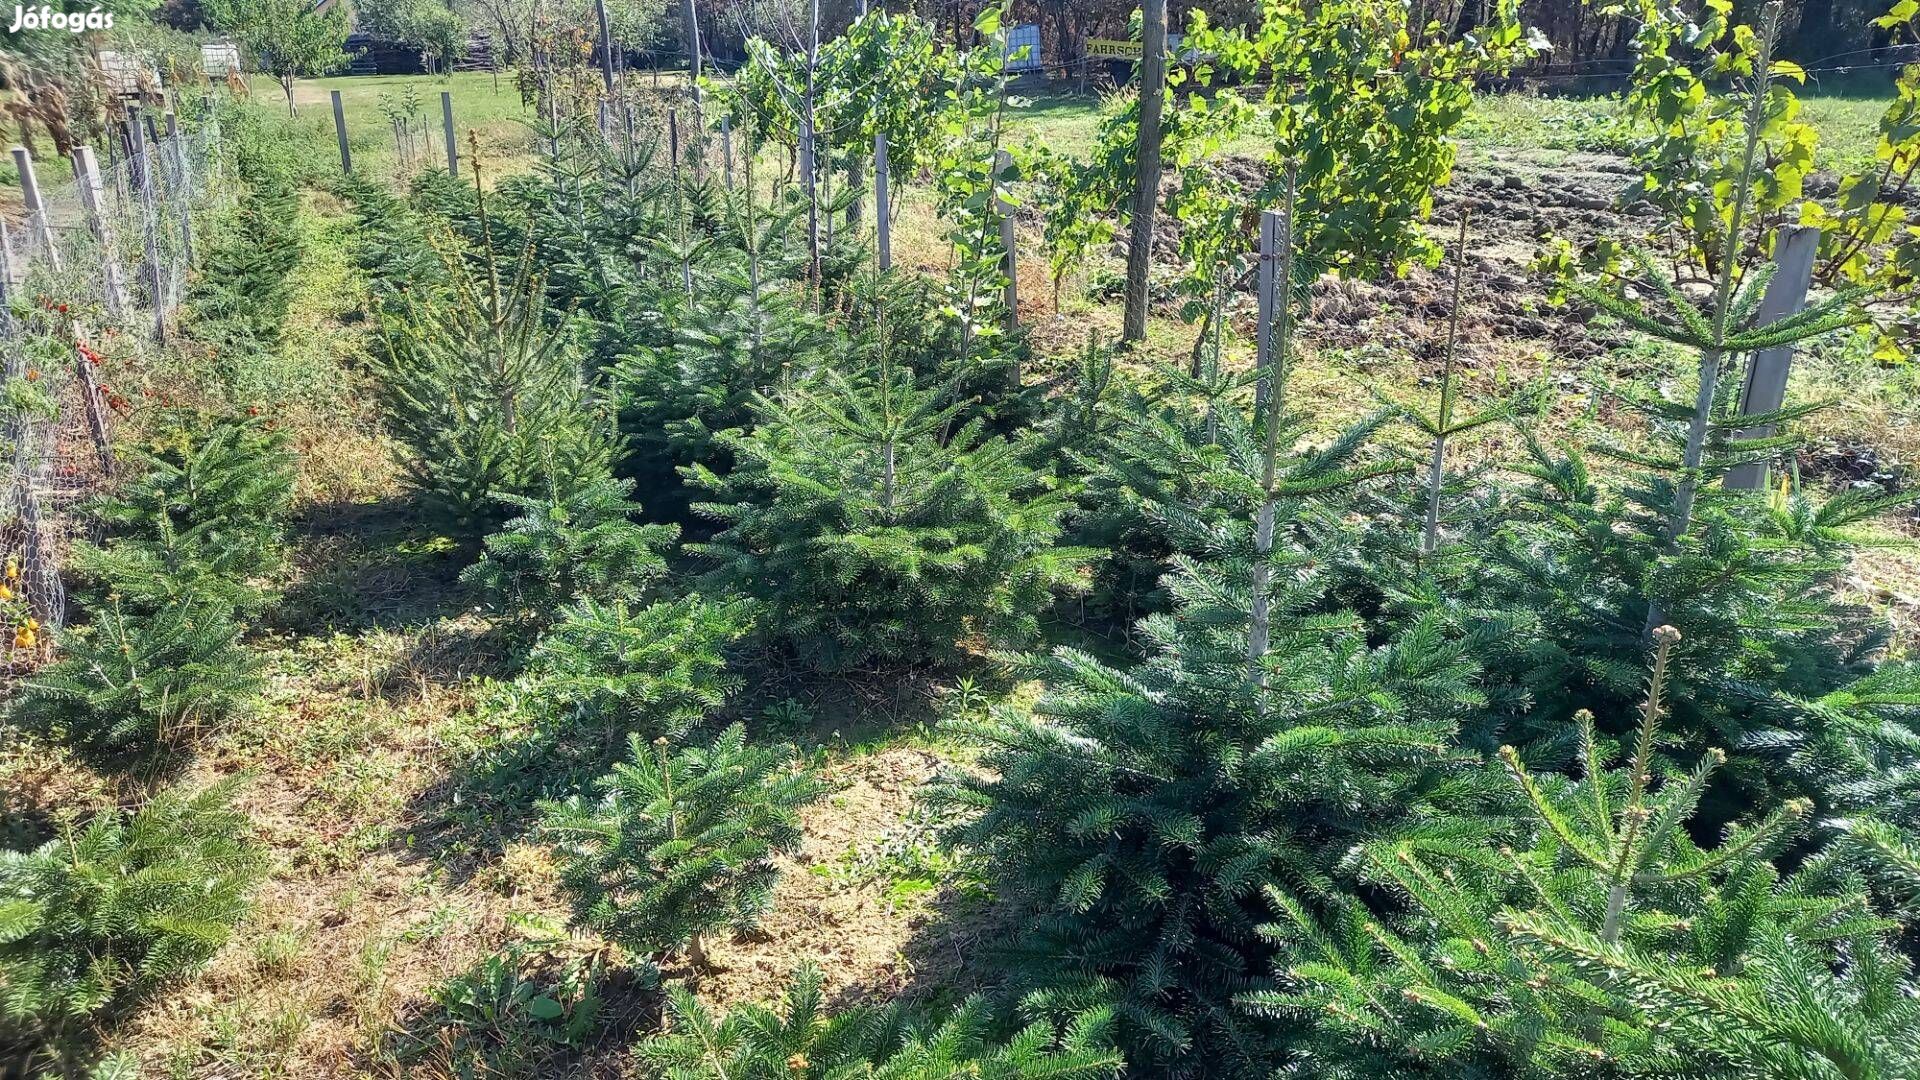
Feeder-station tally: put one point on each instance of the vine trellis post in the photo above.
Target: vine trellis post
(1765, 388)
(882, 225)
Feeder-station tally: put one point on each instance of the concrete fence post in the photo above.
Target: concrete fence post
(1268, 295)
(36, 209)
(149, 227)
(182, 187)
(86, 174)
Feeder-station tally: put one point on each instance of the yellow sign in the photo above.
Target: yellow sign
(1107, 47)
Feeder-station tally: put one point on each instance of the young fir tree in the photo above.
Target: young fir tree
(487, 387)
(659, 669)
(877, 529)
(576, 545)
(238, 302)
(1142, 810)
(801, 1040)
(129, 684)
(392, 243)
(92, 921)
(679, 844)
(204, 514)
(1606, 942)
(697, 375)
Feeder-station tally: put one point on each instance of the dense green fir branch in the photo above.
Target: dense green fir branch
(802, 1040)
(570, 545)
(113, 909)
(680, 843)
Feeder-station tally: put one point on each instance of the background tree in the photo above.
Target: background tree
(434, 27)
(288, 39)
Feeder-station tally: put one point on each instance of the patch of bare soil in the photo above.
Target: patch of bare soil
(869, 945)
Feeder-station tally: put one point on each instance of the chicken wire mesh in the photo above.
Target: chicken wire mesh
(104, 257)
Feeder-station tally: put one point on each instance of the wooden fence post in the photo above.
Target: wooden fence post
(883, 227)
(446, 129)
(90, 402)
(1765, 389)
(86, 174)
(340, 131)
(36, 209)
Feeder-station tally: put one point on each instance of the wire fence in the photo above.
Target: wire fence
(93, 267)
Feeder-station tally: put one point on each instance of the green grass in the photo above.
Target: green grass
(1849, 126)
(483, 108)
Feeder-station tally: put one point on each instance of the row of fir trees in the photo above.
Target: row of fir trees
(98, 913)
(1359, 763)
(1363, 765)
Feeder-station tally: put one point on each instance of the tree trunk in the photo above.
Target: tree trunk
(1146, 193)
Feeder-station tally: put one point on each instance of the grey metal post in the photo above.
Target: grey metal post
(446, 127)
(149, 227)
(182, 187)
(883, 227)
(36, 210)
(1765, 389)
(726, 149)
(606, 59)
(340, 132)
(1002, 161)
(1263, 344)
(86, 171)
(673, 139)
(690, 23)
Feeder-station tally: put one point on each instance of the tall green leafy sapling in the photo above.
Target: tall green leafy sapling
(679, 844)
(1725, 328)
